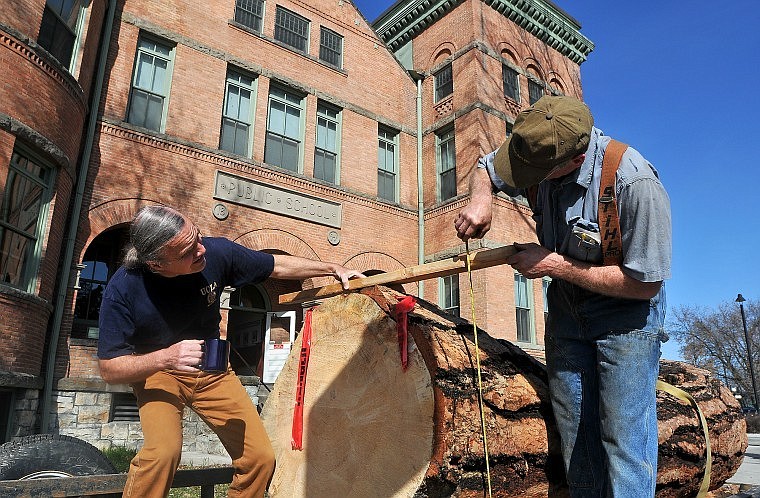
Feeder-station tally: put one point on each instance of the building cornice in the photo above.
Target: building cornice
(248, 168)
(38, 57)
(541, 18)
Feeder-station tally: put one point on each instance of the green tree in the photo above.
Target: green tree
(713, 339)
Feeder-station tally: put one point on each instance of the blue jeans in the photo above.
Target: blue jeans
(602, 358)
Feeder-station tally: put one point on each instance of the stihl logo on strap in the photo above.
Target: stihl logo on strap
(609, 220)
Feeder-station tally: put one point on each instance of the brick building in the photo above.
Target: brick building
(290, 127)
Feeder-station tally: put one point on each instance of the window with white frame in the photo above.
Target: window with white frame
(331, 47)
(284, 136)
(60, 29)
(510, 81)
(22, 218)
(449, 294)
(535, 91)
(524, 309)
(291, 29)
(545, 287)
(237, 114)
(444, 83)
(250, 13)
(327, 143)
(387, 164)
(150, 84)
(447, 165)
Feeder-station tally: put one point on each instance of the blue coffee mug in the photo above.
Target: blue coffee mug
(216, 355)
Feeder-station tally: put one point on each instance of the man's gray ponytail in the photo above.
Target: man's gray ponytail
(151, 229)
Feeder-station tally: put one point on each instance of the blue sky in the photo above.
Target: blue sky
(676, 80)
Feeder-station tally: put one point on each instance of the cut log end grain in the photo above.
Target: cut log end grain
(367, 425)
(373, 430)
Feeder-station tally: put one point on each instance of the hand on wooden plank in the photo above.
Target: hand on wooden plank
(442, 268)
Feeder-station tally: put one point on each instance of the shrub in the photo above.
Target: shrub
(120, 456)
(753, 424)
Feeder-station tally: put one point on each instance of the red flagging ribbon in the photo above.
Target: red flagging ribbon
(303, 363)
(402, 308)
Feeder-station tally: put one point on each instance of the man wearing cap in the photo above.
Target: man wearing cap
(605, 322)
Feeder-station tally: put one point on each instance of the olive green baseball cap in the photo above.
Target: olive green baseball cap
(552, 131)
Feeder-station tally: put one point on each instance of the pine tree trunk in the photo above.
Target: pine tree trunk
(373, 430)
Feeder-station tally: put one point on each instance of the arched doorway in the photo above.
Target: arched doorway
(260, 339)
(246, 329)
(101, 259)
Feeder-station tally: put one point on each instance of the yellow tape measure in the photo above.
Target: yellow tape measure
(477, 363)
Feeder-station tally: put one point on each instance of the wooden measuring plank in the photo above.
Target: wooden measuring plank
(442, 268)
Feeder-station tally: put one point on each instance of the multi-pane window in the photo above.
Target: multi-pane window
(523, 308)
(237, 115)
(387, 163)
(331, 47)
(22, 219)
(60, 27)
(535, 91)
(150, 84)
(444, 83)
(291, 29)
(545, 287)
(250, 13)
(447, 165)
(511, 87)
(449, 294)
(326, 147)
(283, 141)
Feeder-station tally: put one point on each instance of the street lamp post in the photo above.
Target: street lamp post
(740, 299)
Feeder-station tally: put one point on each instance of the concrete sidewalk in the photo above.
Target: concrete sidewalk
(749, 471)
(198, 459)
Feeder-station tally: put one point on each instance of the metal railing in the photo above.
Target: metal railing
(105, 484)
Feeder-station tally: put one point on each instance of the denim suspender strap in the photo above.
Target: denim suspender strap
(609, 220)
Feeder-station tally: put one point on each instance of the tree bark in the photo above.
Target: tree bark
(373, 430)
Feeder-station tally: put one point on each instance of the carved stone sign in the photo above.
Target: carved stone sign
(276, 200)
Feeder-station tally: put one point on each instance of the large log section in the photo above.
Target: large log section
(372, 430)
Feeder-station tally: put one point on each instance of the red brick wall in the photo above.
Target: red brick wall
(25, 16)
(83, 359)
(133, 167)
(47, 107)
(472, 37)
(40, 96)
(22, 333)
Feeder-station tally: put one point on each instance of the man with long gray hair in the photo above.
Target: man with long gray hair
(156, 313)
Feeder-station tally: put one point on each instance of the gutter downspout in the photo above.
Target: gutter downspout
(68, 256)
(420, 198)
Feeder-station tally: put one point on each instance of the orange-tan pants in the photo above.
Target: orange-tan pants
(222, 402)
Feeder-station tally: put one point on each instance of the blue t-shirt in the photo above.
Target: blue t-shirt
(143, 312)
